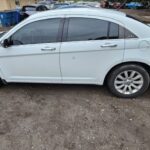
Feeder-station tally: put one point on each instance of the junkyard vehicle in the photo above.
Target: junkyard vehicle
(134, 5)
(79, 46)
(59, 5)
(28, 10)
(46, 3)
(73, 6)
(88, 3)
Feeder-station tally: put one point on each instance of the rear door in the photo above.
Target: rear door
(90, 47)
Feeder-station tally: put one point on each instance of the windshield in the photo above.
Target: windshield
(2, 33)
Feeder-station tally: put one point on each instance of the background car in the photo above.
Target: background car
(59, 5)
(116, 5)
(73, 6)
(88, 3)
(28, 10)
(46, 3)
(134, 5)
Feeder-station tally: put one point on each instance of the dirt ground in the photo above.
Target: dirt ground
(71, 117)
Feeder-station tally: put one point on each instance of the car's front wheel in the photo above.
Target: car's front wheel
(128, 81)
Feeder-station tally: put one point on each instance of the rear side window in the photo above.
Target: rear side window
(43, 31)
(125, 33)
(129, 34)
(83, 29)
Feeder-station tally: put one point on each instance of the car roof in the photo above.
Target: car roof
(78, 11)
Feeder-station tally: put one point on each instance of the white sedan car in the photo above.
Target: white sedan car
(79, 46)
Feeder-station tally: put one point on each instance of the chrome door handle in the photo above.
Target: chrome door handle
(48, 49)
(109, 45)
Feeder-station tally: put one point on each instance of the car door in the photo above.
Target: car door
(34, 53)
(90, 47)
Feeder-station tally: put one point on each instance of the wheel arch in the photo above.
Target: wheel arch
(146, 67)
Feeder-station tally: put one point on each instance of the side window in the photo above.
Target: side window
(83, 29)
(44, 8)
(113, 31)
(125, 33)
(39, 8)
(119, 32)
(43, 31)
(129, 34)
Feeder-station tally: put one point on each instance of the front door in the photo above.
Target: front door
(34, 53)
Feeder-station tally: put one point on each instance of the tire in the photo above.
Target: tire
(128, 81)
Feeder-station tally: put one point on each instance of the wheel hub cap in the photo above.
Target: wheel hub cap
(128, 82)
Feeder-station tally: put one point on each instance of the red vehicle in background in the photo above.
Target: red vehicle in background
(113, 5)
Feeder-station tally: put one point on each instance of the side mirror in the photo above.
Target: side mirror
(6, 43)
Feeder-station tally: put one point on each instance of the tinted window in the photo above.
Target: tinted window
(125, 33)
(44, 8)
(41, 8)
(113, 31)
(44, 31)
(83, 29)
(129, 34)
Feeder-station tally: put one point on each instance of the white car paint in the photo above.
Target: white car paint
(74, 62)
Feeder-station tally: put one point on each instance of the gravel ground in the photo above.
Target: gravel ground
(71, 117)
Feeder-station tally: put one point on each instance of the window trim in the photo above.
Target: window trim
(65, 30)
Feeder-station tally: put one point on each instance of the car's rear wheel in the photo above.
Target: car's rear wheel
(128, 81)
